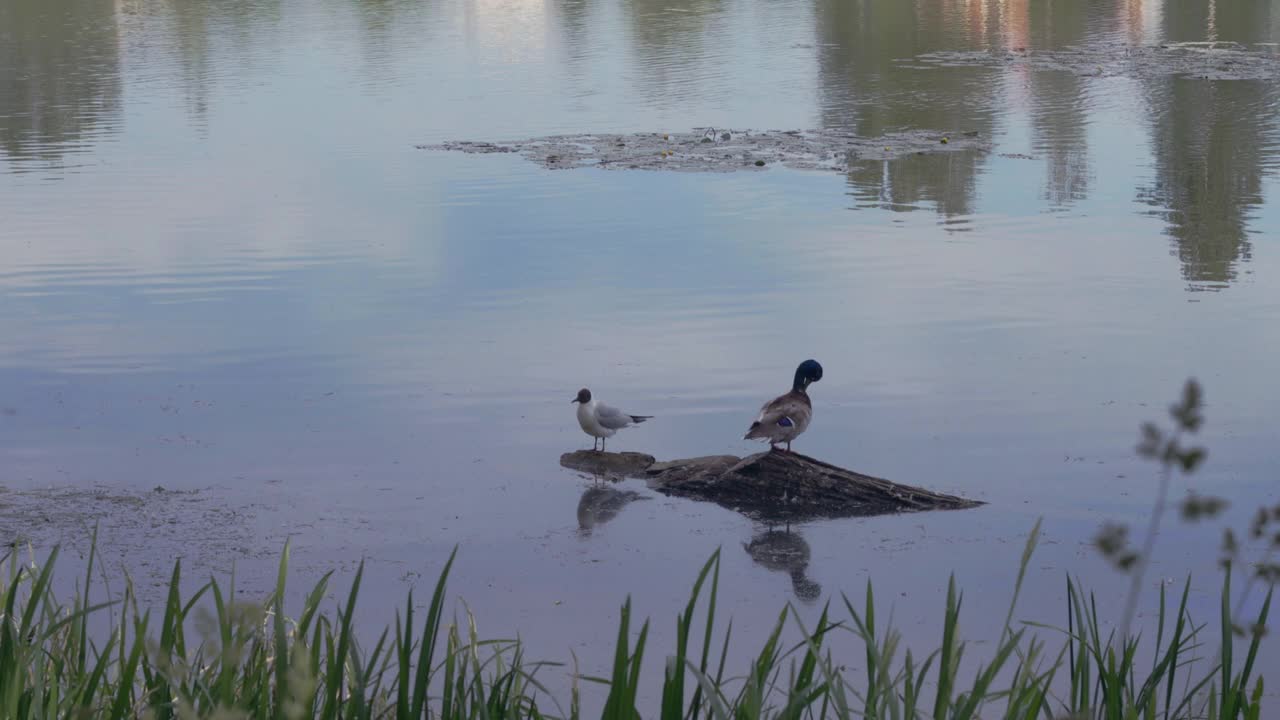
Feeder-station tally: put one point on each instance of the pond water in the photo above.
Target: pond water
(229, 272)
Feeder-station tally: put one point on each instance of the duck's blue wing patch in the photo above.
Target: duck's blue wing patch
(785, 421)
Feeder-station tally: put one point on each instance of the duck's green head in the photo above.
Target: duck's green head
(808, 372)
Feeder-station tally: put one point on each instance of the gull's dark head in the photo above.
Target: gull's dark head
(808, 372)
(584, 396)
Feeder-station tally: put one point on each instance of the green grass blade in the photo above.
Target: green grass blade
(430, 632)
(337, 664)
(281, 636)
(947, 659)
(1227, 647)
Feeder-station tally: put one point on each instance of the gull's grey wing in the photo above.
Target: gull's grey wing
(612, 417)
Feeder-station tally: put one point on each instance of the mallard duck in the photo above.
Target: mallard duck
(786, 416)
(601, 421)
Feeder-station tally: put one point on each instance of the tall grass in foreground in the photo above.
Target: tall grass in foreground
(254, 661)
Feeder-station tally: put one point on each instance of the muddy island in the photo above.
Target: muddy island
(770, 486)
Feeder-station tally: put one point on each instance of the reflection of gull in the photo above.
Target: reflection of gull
(785, 551)
(600, 504)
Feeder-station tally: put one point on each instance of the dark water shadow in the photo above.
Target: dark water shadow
(1214, 142)
(61, 86)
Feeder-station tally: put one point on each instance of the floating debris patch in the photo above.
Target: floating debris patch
(143, 530)
(1203, 60)
(722, 150)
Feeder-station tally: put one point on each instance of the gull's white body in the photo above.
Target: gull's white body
(602, 421)
(591, 424)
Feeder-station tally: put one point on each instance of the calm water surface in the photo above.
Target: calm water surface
(227, 269)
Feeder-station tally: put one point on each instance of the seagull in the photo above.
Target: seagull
(786, 416)
(601, 421)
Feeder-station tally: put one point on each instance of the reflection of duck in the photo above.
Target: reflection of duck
(600, 504)
(785, 551)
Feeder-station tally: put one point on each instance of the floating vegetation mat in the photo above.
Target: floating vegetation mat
(723, 150)
(1203, 60)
